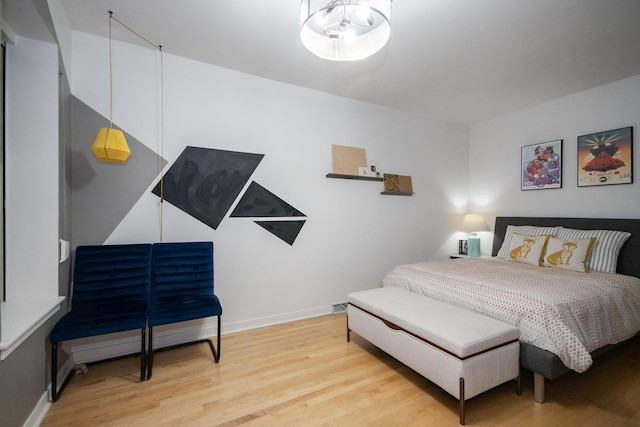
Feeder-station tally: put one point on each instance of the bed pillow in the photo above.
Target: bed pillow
(527, 249)
(605, 251)
(530, 230)
(568, 254)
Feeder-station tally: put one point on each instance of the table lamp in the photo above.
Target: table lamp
(472, 223)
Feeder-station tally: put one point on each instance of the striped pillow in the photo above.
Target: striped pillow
(604, 255)
(530, 230)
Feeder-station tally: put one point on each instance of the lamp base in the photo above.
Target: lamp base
(473, 245)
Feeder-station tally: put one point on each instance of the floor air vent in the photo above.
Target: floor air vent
(339, 307)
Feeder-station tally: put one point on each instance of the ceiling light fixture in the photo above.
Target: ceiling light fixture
(345, 30)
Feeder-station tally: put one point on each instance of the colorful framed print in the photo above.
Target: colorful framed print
(541, 166)
(605, 158)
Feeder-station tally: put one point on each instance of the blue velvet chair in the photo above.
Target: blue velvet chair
(181, 290)
(110, 294)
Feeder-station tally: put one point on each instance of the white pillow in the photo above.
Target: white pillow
(604, 254)
(527, 249)
(530, 230)
(569, 254)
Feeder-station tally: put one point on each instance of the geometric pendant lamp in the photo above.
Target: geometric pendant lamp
(110, 144)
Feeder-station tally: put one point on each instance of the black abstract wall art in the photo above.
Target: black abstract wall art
(285, 230)
(205, 182)
(257, 201)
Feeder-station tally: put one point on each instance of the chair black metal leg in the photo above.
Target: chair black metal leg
(150, 354)
(150, 350)
(217, 355)
(55, 393)
(54, 372)
(143, 356)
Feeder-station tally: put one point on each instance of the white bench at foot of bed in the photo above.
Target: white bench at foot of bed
(463, 352)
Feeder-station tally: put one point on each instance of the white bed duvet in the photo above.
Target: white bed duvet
(567, 313)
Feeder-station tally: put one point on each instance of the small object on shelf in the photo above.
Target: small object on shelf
(369, 171)
(462, 247)
(397, 184)
(347, 160)
(346, 176)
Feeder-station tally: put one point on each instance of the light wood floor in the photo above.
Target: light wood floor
(305, 374)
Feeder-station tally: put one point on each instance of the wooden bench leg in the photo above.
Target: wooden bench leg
(462, 401)
(538, 387)
(348, 330)
(519, 379)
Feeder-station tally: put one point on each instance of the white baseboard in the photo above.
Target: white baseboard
(273, 320)
(39, 412)
(98, 348)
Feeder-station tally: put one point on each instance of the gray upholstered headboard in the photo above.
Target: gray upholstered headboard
(629, 258)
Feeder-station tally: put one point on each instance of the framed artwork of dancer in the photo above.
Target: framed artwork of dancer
(541, 166)
(605, 158)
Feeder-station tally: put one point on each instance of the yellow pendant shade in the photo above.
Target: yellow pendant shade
(110, 145)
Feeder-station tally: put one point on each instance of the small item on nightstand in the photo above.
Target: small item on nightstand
(473, 245)
(462, 247)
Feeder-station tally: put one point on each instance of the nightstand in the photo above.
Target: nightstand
(454, 256)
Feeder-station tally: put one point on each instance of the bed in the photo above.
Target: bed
(561, 313)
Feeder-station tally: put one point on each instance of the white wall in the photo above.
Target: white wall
(352, 235)
(31, 170)
(495, 145)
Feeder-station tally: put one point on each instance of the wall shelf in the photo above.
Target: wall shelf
(361, 178)
(396, 193)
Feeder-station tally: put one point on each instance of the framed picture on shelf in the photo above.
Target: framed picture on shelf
(541, 166)
(605, 158)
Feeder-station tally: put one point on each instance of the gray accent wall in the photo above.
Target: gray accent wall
(103, 192)
(24, 377)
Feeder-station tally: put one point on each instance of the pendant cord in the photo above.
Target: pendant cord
(159, 47)
(135, 32)
(110, 76)
(161, 138)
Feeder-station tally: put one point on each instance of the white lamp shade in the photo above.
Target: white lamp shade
(345, 30)
(473, 223)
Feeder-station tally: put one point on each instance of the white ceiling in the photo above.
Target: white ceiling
(459, 61)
